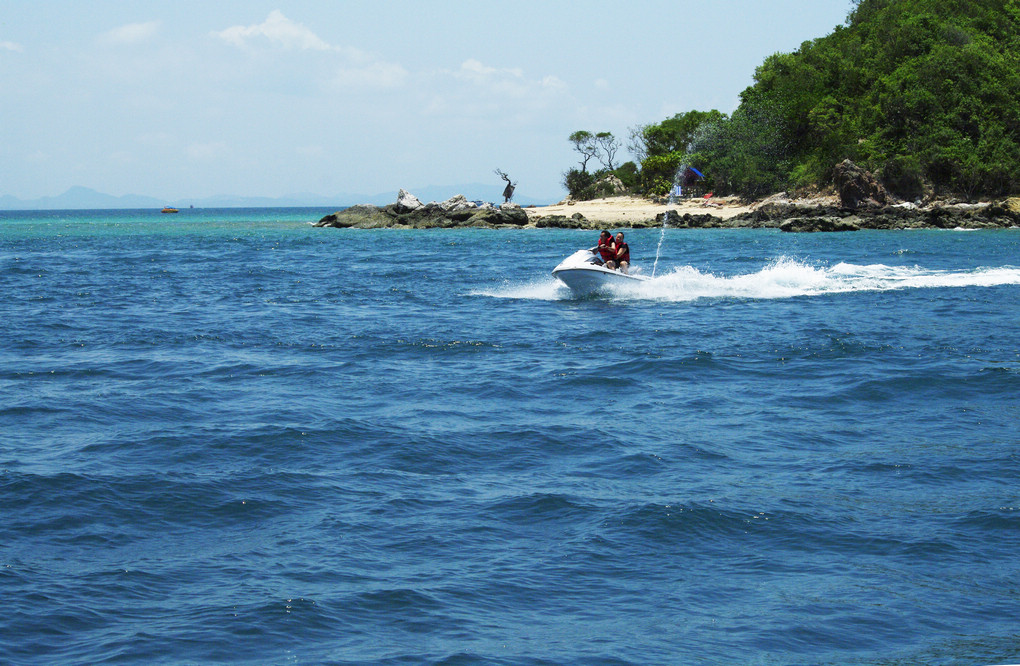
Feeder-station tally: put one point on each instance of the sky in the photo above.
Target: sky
(181, 99)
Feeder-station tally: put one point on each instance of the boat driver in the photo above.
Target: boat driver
(621, 258)
(605, 248)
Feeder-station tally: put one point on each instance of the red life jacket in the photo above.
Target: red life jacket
(606, 249)
(623, 252)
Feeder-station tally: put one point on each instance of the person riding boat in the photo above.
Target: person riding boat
(606, 248)
(621, 256)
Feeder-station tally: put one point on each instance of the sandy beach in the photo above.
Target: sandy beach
(619, 210)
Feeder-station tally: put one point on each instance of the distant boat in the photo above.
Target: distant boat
(168, 209)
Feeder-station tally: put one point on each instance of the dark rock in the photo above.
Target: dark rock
(816, 224)
(770, 215)
(507, 214)
(361, 216)
(575, 221)
(857, 188)
(675, 220)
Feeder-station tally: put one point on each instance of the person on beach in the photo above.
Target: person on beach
(621, 258)
(606, 249)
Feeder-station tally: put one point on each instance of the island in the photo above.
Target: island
(906, 116)
(857, 203)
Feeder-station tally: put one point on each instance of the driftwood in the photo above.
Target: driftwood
(508, 191)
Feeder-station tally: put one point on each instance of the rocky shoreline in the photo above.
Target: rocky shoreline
(794, 217)
(777, 212)
(858, 203)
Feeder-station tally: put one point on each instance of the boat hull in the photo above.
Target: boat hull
(592, 280)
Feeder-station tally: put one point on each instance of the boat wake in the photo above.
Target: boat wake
(783, 278)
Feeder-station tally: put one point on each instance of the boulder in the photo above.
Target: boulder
(513, 214)
(362, 216)
(575, 221)
(609, 186)
(407, 202)
(457, 203)
(857, 188)
(815, 224)
(675, 220)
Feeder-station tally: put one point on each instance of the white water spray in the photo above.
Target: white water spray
(670, 203)
(779, 279)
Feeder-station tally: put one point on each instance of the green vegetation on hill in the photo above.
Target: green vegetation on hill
(923, 93)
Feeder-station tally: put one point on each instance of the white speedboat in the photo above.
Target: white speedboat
(584, 273)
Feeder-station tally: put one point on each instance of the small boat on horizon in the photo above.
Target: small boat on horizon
(584, 274)
(169, 209)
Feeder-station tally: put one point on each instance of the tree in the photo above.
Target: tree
(607, 146)
(602, 146)
(586, 144)
(925, 95)
(673, 135)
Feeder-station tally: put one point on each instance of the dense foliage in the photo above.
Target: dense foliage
(924, 93)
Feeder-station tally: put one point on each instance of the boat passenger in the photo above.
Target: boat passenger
(606, 249)
(621, 260)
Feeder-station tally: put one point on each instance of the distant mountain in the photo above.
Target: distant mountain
(84, 197)
(80, 197)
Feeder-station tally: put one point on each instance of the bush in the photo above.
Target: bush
(658, 172)
(578, 184)
(628, 174)
(584, 186)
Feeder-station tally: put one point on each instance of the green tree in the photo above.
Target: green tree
(923, 94)
(585, 144)
(607, 147)
(673, 135)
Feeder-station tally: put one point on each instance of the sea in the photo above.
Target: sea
(230, 437)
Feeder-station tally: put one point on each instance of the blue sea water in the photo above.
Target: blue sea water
(229, 437)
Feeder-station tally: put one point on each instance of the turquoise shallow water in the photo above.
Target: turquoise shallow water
(230, 437)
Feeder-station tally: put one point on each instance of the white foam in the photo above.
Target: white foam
(540, 289)
(783, 278)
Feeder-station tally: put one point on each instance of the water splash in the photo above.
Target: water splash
(780, 279)
(674, 193)
(662, 236)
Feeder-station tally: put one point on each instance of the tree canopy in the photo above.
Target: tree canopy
(921, 92)
(924, 93)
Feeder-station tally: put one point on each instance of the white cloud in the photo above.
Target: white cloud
(278, 30)
(475, 71)
(509, 82)
(354, 68)
(479, 90)
(132, 33)
(10, 46)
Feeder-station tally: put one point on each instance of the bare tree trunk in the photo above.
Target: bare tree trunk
(508, 191)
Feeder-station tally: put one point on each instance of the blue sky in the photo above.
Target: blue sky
(193, 99)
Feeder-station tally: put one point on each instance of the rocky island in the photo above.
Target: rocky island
(858, 202)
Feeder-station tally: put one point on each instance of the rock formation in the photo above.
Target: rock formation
(406, 202)
(409, 212)
(858, 188)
